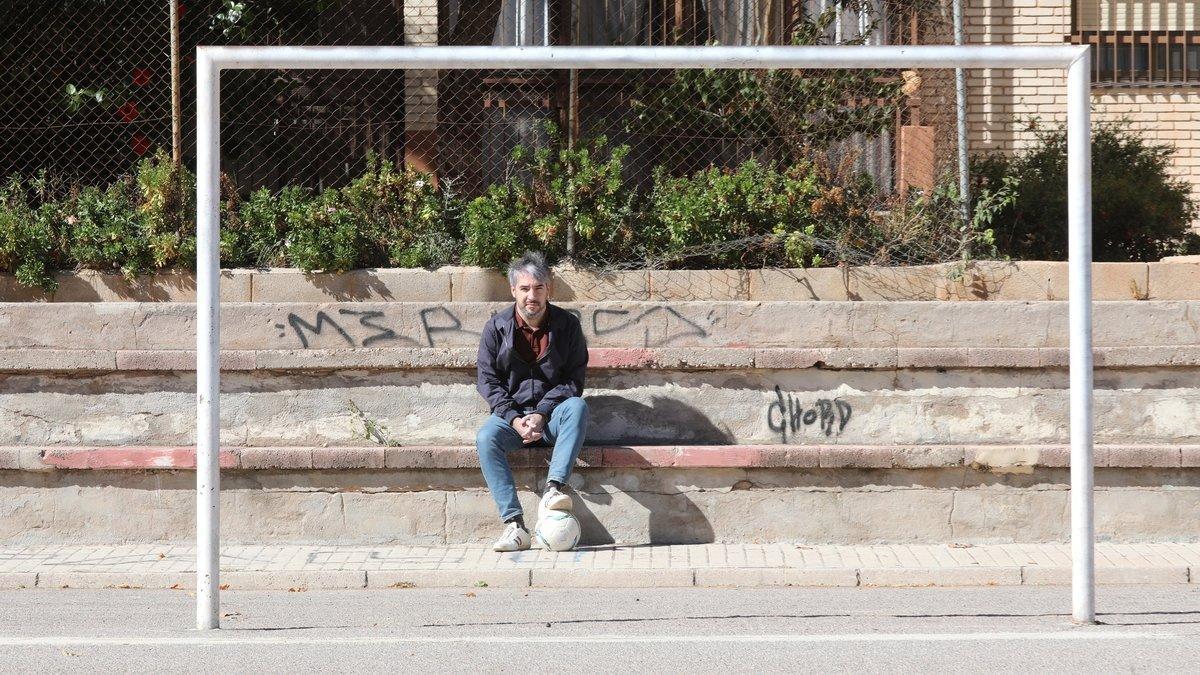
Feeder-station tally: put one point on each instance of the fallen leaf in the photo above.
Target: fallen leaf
(403, 584)
(223, 587)
(176, 587)
(469, 594)
(297, 589)
(161, 556)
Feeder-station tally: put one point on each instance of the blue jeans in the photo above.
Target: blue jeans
(496, 438)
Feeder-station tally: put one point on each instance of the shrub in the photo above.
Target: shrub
(29, 235)
(926, 226)
(254, 232)
(324, 235)
(403, 216)
(547, 189)
(1139, 211)
(755, 215)
(789, 113)
(167, 206)
(136, 224)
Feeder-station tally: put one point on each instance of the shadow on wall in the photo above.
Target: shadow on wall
(615, 421)
(673, 518)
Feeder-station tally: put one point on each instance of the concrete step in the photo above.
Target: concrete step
(323, 566)
(1173, 278)
(792, 324)
(346, 458)
(815, 494)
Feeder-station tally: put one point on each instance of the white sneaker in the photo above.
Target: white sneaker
(515, 538)
(554, 500)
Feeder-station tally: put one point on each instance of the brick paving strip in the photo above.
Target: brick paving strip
(307, 567)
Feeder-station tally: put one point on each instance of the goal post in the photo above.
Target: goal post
(211, 61)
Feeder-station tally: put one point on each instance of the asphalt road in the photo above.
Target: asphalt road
(1144, 628)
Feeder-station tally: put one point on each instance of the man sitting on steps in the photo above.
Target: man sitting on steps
(531, 364)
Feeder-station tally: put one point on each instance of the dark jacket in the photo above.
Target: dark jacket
(514, 387)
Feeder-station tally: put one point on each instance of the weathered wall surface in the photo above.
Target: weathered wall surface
(959, 504)
(816, 421)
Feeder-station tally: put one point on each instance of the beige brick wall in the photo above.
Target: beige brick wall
(1001, 102)
(420, 86)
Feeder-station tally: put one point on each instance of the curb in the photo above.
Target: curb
(879, 577)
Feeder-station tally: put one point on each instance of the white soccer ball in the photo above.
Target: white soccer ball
(557, 530)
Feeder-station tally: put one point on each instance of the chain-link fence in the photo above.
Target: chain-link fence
(584, 159)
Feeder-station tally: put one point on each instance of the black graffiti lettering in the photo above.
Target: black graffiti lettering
(825, 406)
(785, 413)
(322, 318)
(364, 319)
(843, 413)
(781, 428)
(675, 326)
(795, 412)
(452, 323)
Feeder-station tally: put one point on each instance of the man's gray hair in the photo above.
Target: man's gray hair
(532, 263)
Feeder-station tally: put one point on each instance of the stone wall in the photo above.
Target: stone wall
(1175, 278)
(716, 420)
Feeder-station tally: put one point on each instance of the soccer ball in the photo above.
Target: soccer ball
(557, 530)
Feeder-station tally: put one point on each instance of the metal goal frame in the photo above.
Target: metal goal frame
(210, 61)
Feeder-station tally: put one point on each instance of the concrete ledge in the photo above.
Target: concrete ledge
(614, 358)
(15, 580)
(1177, 279)
(302, 567)
(129, 580)
(300, 581)
(897, 577)
(980, 457)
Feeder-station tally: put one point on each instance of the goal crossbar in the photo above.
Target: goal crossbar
(210, 61)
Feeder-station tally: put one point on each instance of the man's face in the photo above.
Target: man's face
(531, 296)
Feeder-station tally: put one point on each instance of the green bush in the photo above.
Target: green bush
(254, 232)
(740, 217)
(403, 216)
(498, 227)
(322, 234)
(29, 235)
(385, 217)
(926, 226)
(136, 224)
(1139, 211)
(167, 206)
(549, 188)
(790, 113)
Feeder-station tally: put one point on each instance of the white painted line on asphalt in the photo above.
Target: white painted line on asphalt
(1080, 635)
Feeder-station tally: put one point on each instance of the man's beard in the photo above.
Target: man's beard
(527, 314)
